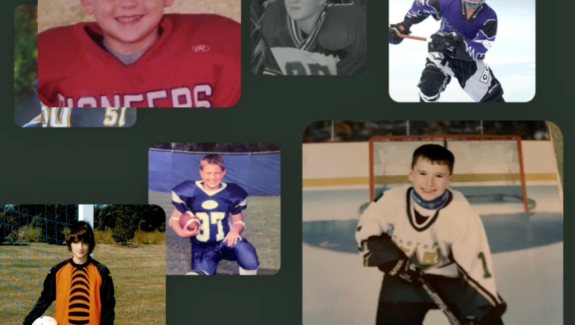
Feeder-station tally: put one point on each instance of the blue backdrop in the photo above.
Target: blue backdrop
(258, 174)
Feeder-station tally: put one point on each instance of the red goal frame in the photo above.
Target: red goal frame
(515, 138)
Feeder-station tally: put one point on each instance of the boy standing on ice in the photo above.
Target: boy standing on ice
(428, 230)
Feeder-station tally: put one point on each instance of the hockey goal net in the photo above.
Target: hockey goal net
(488, 168)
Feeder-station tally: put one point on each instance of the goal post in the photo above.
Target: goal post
(86, 213)
(32, 240)
(480, 160)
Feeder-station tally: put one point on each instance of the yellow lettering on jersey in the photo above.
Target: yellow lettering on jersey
(60, 117)
(429, 258)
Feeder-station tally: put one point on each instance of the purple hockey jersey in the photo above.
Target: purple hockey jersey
(479, 31)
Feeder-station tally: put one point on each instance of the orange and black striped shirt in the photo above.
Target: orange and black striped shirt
(84, 294)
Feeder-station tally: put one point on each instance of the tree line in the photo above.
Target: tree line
(51, 221)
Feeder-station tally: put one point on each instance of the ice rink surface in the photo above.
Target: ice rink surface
(527, 257)
(512, 57)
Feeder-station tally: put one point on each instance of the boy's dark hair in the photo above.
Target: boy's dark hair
(434, 153)
(80, 231)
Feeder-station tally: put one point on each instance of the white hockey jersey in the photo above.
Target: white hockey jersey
(451, 242)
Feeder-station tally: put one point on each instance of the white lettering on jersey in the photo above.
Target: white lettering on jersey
(297, 62)
(180, 97)
(202, 91)
(153, 95)
(106, 103)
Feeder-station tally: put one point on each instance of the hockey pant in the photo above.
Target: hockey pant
(464, 297)
(205, 257)
(475, 78)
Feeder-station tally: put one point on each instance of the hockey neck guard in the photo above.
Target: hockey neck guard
(434, 204)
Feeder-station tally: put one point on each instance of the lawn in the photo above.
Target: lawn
(262, 230)
(138, 273)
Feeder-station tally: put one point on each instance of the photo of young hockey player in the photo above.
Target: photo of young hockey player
(457, 225)
(214, 207)
(309, 37)
(188, 56)
(436, 231)
(476, 51)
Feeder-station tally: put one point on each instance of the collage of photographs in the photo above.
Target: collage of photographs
(411, 214)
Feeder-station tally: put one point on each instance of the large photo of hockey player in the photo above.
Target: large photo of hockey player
(222, 203)
(308, 37)
(28, 111)
(462, 50)
(140, 53)
(462, 220)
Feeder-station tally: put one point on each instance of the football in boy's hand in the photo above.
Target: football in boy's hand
(45, 320)
(189, 221)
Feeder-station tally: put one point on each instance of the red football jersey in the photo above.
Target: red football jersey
(194, 63)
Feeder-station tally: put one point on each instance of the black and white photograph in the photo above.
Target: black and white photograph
(462, 220)
(309, 37)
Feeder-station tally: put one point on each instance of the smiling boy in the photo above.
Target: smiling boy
(428, 230)
(135, 56)
(219, 207)
(81, 286)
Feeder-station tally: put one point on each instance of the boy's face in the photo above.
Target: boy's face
(212, 176)
(127, 21)
(80, 250)
(302, 9)
(430, 180)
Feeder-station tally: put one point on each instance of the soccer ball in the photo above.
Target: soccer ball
(45, 320)
(189, 221)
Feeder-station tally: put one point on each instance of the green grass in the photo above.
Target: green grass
(262, 230)
(137, 272)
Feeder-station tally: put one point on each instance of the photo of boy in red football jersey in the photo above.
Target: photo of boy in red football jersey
(136, 55)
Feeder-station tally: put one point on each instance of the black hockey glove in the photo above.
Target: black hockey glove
(404, 269)
(445, 41)
(395, 29)
(491, 318)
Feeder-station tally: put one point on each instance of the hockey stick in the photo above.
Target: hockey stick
(439, 302)
(417, 38)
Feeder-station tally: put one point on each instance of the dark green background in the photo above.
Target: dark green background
(110, 165)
